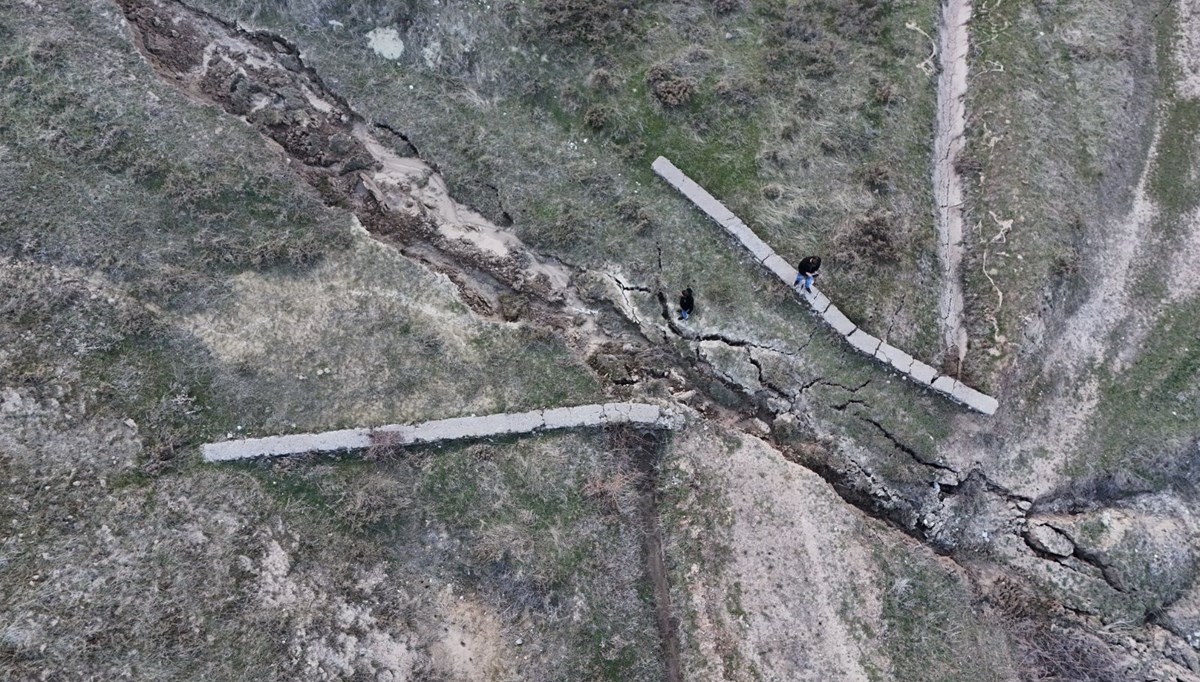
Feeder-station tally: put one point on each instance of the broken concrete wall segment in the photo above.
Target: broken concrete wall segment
(457, 428)
(856, 337)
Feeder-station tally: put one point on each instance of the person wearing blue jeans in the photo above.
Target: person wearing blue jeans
(686, 303)
(806, 271)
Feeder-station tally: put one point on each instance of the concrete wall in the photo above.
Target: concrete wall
(858, 339)
(458, 428)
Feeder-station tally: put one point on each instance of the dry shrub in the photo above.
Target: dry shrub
(370, 502)
(616, 492)
(872, 238)
(725, 6)
(601, 79)
(860, 19)
(383, 443)
(876, 176)
(737, 93)
(598, 116)
(796, 42)
(588, 21)
(669, 87)
(1046, 649)
(636, 214)
(968, 166)
(884, 93)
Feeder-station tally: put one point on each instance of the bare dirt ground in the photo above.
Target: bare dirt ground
(805, 595)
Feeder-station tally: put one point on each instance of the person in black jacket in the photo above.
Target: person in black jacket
(806, 271)
(686, 303)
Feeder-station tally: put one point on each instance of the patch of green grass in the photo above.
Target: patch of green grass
(1150, 410)
(930, 621)
(1174, 181)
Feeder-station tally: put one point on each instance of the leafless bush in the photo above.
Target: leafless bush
(860, 19)
(1053, 653)
(876, 176)
(598, 116)
(669, 87)
(588, 21)
(872, 237)
(737, 93)
(725, 6)
(795, 42)
(383, 443)
(601, 79)
(1049, 651)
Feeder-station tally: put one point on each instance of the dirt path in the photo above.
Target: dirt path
(1081, 344)
(953, 45)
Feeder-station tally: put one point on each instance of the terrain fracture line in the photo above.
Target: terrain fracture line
(863, 342)
(948, 141)
(457, 428)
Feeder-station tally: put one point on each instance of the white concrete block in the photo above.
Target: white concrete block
(587, 415)
(756, 246)
(715, 209)
(642, 413)
(692, 191)
(840, 323)
(780, 268)
(571, 417)
(523, 422)
(819, 301)
(666, 170)
(921, 372)
(294, 444)
(975, 400)
(894, 357)
(444, 429)
(944, 384)
(863, 342)
(556, 418)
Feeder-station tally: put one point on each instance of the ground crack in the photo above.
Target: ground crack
(905, 448)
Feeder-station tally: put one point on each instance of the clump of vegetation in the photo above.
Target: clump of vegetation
(594, 22)
(796, 42)
(1047, 649)
(876, 176)
(598, 116)
(670, 87)
(726, 6)
(601, 79)
(860, 19)
(872, 237)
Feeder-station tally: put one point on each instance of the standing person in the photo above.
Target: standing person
(686, 303)
(806, 271)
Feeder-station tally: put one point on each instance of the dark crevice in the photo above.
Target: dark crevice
(853, 401)
(762, 379)
(404, 138)
(904, 448)
(1106, 571)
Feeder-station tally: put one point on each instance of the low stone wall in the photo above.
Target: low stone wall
(458, 428)
(858, 339)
